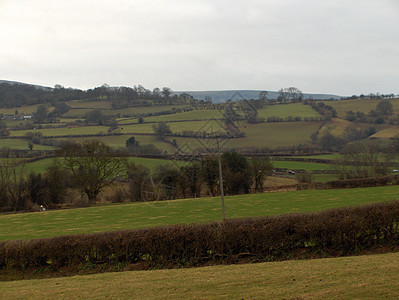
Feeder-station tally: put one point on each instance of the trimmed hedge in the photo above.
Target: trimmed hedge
(342, 231)
(363, 182)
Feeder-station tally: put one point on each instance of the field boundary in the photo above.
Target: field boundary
(331, 233)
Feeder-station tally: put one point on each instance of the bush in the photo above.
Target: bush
(118, 196)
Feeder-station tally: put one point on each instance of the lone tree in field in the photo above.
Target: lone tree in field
(161, 130)
(385, 108)
(260, 169)
(93, 164)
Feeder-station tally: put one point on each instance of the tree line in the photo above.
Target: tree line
(91, 166)
(16, 95)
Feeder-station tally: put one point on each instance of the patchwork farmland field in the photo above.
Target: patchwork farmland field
(84, 130)
(301, 165)
(21, 144)
(365, 106)
(178, 127)
(188, 116)
(80, 109)
(150, 214)
(389, 133)
(286, 110)
(266, 135)
(119, 141)
(78, 104)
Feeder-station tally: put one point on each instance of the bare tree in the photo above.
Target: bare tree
(260, 168)
(94, 165)
(12, 184)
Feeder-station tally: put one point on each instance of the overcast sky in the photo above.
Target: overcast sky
(342, 47)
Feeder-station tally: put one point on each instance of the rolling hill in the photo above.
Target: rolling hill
(222, 96)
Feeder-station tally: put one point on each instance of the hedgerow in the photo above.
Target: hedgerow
(336, 232)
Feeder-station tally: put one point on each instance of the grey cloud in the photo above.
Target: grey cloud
(338, 46)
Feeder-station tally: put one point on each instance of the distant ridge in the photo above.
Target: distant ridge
(222, 96)
(35, 85)
(218, 96)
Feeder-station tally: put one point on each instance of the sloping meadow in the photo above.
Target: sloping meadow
(330, 233)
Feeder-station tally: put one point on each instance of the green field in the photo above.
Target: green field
(124, 121)
(359, 277)
(286, 110)
(80, 112)
(148, 214)
(266, 135)
(307, 166)
(321, 156)
(28, 109)
(21, 144)
(177, 127)
(365, 106)
(338, 127)
(323, 177)
(152, 163)
(188, 116)
(119, 141)
(89, 104)
(89, 130)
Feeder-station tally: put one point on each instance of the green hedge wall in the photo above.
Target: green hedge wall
(342, 231)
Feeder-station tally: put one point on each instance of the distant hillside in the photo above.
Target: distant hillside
(216, 96)
(34, 85)
(222, 96)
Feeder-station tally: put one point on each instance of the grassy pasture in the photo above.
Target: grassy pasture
(321, 156)
(274, 135)
(149, 214)
(323, 177)
(285, 110)
(337, 127)
(28, 109)
(89, 130)
(307, 166)
(188, 116)
(89, 104)
(21, 144)
(372, 142)
(358, 277)
(68, 120)
(77, 113)
(365, 106)
(12, 123)
(178, 127)
(123, 121)
(152, 163)
(391, 132)
(147, 109)
(80, 112)
(117, 141)
(270, 135)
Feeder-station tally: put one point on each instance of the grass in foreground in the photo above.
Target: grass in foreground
(371, 277)
(200, 210)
